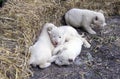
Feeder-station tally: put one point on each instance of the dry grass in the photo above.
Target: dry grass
(20, 24)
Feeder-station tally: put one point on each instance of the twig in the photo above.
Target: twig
(6, 18)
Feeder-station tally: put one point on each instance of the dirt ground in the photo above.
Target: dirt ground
(101, 61)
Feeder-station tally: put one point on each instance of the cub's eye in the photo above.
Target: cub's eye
(66, 40)
(96, 18)
(70, 60)
(59, 36)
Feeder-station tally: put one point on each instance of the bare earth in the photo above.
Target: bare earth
(101, 61)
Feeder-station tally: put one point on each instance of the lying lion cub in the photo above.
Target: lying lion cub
(84, 18)
(69, 45)
(41, 51)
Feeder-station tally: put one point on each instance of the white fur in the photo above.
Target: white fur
(41, 50)
(84, 18)
(66, 53)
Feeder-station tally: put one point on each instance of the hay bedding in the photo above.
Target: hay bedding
(20, 24)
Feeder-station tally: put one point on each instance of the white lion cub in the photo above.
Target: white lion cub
(84, 18)
(66, 53)
(41, 50)
(69, 44)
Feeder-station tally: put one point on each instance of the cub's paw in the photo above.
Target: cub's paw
(92, 32)
(45, 65)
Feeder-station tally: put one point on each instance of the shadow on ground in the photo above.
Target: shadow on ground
(101, 61)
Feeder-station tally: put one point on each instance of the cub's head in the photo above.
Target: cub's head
(99, 19)
(56, 35)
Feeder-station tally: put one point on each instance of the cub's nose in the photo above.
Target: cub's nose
(55, 43)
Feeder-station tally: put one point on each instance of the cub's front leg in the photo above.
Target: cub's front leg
(45, 65)
(89, 29)
(57, 50)
(86, 43)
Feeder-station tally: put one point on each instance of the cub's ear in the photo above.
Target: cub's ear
(49, 32)
(101, 11)
(49, 28)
